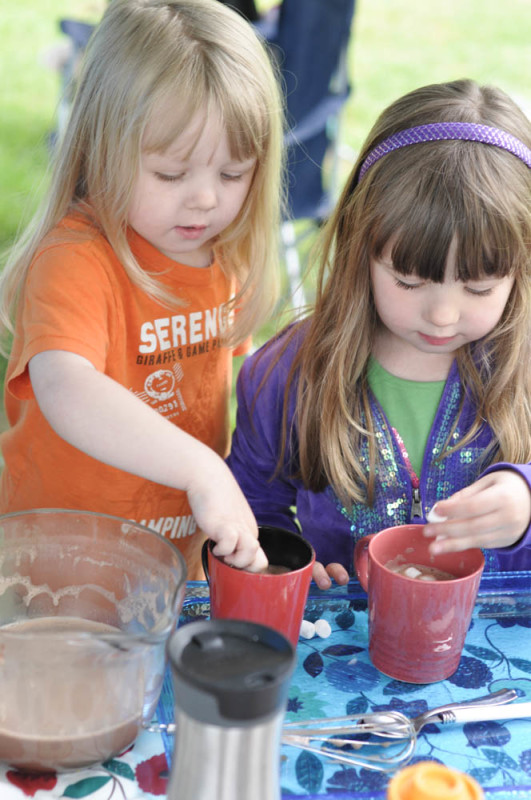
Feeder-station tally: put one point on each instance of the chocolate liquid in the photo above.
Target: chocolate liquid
(66, 702)
(425, 573)
(275, 569)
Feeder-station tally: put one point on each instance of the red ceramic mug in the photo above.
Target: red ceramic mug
(417, 628)
(276, 600)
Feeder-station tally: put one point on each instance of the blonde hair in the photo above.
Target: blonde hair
(162, 61)
(423, 197)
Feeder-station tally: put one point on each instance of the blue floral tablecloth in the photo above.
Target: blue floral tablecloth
(334, 676)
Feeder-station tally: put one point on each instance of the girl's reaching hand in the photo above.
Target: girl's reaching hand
(494, 511)
(223, 514)
(322, 575)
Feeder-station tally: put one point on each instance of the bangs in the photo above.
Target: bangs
(171, 116)
(244, 107)
(423, 211)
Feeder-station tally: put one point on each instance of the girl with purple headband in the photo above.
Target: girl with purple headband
(408, 388)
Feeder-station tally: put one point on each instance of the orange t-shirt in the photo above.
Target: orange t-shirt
(78, 298)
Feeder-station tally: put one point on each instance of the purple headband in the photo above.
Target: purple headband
(468, 131)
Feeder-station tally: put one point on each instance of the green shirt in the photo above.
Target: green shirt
(410, 407)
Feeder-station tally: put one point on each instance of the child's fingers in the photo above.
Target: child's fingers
(323, 576)
(320, 576)
(457, 545)
(338, 573)
(259, 563)
(247, 560)
(465, 503)
(226, 541)
(502, 489)
(472, 497)
(492, 512)
(463, 541)
(487, 530)
(243, 552)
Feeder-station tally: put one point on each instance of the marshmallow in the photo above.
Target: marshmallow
(307, 629)
(432, 516)
(412, 572)
(323, 629)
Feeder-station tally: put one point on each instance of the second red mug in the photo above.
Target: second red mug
(417, 628)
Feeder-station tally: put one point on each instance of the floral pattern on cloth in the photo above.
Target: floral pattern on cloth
(334, 676)
(140, 773)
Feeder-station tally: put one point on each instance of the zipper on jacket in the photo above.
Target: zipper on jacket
(416, 506)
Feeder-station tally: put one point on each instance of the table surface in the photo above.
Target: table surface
(334, 676)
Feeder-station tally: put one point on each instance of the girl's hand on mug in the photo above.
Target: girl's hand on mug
(494, 511)
(224, 515)
(322, 575)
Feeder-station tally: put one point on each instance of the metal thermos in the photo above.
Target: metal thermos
(231, 681)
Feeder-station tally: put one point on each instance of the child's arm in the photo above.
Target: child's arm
(97, 415)
(494, 512)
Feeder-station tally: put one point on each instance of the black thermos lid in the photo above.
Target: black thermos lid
(228, 672)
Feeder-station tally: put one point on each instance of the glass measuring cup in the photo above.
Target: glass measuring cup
(87, 604)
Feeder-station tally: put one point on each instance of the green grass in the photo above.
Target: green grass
(30, 92)
(397, 45)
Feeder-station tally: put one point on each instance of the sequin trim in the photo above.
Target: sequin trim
(439, 478)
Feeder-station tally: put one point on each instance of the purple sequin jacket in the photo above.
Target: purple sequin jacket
(331, 528)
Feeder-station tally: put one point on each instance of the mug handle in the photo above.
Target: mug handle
(204, 559)
(361, 560)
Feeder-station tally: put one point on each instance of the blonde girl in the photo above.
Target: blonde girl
(150, 259)
(409, 386)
